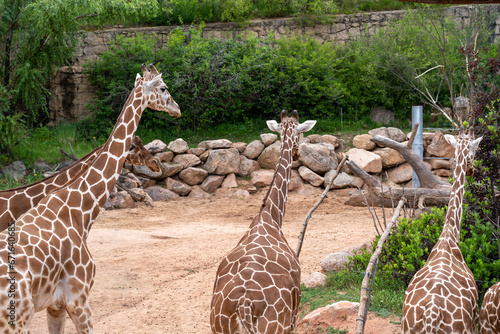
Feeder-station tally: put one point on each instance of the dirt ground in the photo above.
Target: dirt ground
(156, 265)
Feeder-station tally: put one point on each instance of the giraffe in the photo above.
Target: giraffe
(17, 201)
(489, 320)
(139, 155)
(45, 262)
(442, 296)
(257, 285)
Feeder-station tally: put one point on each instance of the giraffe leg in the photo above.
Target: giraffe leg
(81, 315)
(56, 319)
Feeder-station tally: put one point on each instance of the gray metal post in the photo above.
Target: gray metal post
(418, 142)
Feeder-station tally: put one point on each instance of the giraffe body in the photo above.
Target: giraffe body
(489, 320)
(257, 286)
(442, 296)
(44, 260)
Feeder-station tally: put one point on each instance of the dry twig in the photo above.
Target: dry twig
(315, 206)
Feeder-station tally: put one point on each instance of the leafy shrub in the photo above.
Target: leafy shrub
(217, 80)
(409, 245)
(12, 126)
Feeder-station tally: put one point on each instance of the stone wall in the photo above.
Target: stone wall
(223, 168)
(71, 90)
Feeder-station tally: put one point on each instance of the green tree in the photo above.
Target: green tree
(37, 37)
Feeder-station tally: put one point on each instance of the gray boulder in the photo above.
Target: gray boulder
(15, 170)
(223, 161)
(320, 158)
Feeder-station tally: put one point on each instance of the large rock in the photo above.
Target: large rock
(329, 139)
(320, 158)
(240, 146)
(366, 160)
(439, 147)
(315, 280)
(156, 146)
(165, 156)
(160, 194)
(335, 261)
(193, 175)
(15, 170)
(363, 142)
(187, 160)
(178, 146)
(178, 187)
(389, 132)
(254, 149)
(268, 138)
(439, 163)
(381, 115)
(268, 159)
(343, 180)
(262, 177)
(390, 157)
(315, 138)
(215, 144)
(310, 176)
(400, 174)
(196, 151)
(121, 200)
(42, 167)
(211, 183)
(295, 181)
(197, 192)
(170, 168)
(247, 166)
(229, 181)
(223, 161)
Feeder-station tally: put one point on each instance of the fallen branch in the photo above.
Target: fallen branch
(364, 298)
(72, 156)
(315, 206)
(425, 176)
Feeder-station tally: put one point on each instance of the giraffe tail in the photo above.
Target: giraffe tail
(245, 314)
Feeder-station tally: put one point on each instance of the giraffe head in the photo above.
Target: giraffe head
(155, 91)
(293, 127)
(465, 149)
(139, 155)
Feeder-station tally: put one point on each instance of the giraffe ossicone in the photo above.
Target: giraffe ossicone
(44, 259)
(257, 285)
(442, 296)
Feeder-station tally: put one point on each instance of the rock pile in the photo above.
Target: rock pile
(217, 167)
(391, 166)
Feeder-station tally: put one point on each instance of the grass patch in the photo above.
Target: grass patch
(386, 299)
(44, 144)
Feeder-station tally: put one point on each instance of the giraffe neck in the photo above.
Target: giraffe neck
(453, 217)
(96, 183)
(275, 200)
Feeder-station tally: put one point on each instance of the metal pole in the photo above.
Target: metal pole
(418, 143)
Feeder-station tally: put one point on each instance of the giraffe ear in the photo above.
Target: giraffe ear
(451, 139)
(153, 83)
(475, 144)
(273, 126)
(306, 126)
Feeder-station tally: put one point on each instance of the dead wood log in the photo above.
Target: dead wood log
(379, 195)
(424, 174)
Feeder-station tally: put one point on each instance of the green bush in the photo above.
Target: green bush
(217, 80)
(409, 245)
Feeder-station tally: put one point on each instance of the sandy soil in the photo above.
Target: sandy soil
(156, 265)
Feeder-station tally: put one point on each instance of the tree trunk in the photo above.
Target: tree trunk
(425, 176)
(379, 195)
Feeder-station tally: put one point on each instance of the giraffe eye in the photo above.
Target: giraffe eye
(163, 89)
